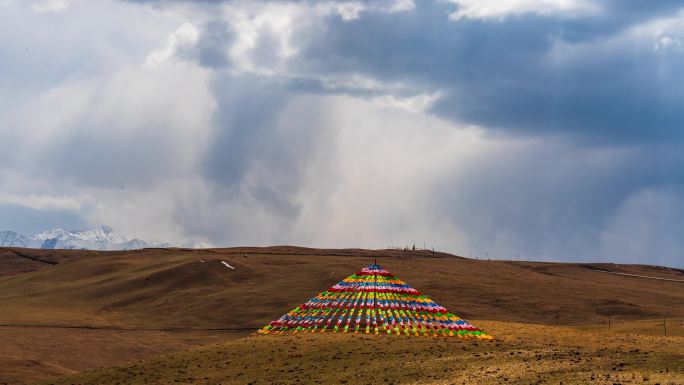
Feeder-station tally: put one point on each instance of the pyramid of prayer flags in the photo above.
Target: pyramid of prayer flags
(373, 301)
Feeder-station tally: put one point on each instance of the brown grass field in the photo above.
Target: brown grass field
(68, 312)
(522, 354)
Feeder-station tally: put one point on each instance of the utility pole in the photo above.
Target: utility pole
(665, 326)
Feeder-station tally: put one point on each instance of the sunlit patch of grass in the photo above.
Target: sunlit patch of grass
(521, 354)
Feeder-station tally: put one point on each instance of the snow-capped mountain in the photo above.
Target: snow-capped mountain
(103, 238)
(104, 234)
(10, 238)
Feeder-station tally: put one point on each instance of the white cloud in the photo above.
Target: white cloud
(500, 9)
(42, 202)
(263, 39)
(39, 6)
(185, 37)
(364, 189)
(664, 43)
(417, 104)
(165, 108)
(152, 214)
(50, 5)
(402, 6)
(350, 11)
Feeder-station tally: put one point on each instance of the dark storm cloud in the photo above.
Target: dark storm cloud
(506, 75)
(252, 150)
(509, 75)
(500, 74)
(210, 50)
(560, 206)
(244, 127)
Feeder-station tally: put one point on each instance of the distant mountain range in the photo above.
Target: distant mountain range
(104, 238)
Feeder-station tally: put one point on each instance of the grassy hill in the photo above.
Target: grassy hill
(15, 261)
(188, 288)
(176, 298)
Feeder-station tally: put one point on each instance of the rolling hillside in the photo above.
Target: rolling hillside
(131, 305)
(186, 288)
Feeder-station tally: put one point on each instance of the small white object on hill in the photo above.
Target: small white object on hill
(227, 265)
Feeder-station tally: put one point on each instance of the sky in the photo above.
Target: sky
(548, 129)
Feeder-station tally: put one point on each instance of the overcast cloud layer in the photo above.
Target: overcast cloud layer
(548, 128)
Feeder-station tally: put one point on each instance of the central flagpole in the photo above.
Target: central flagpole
(375, 298)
